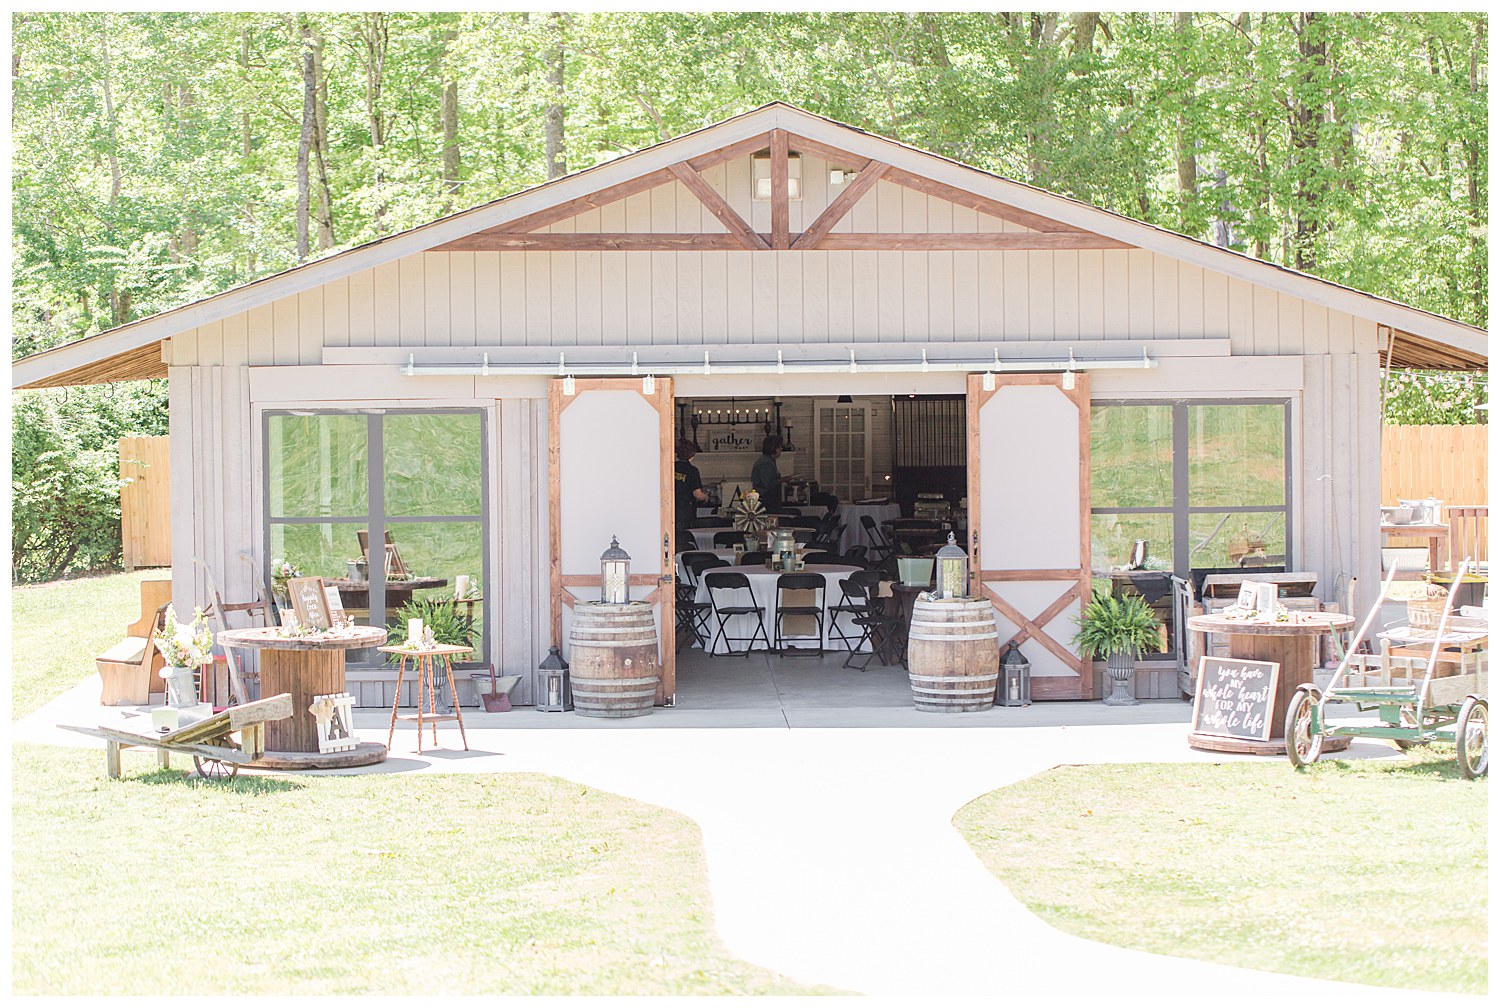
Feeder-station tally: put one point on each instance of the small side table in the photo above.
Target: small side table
(425, 662)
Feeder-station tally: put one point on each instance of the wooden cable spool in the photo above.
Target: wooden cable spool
(953, 654)
(613, 658)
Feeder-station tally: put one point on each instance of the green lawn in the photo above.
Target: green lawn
(377, 884)
(1372, 872)
(58, 628)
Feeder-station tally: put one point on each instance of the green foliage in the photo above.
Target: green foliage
(1109, 624)
(1436, 397)
(65, 483)
(439, 615)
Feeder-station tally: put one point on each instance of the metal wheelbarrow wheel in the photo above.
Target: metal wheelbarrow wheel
(1302, 746)
(1472, 738)
(211, 769)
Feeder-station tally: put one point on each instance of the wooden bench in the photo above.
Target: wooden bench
(207, 741)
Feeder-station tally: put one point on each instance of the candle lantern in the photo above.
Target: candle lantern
(614, 565)
(952, 571)
(1015, 678)
(554, 691)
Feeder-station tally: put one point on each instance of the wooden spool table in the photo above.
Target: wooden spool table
(305, 667)
(1294, 646)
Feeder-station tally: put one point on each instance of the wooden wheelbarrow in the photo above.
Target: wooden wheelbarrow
(214, 753)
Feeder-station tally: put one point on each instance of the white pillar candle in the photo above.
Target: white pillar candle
(461, 586)
(414, 631)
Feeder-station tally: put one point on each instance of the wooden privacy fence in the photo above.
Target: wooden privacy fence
(146, 502)
(1446, 462)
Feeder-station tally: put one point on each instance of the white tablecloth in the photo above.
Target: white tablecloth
(854, 532)
(705, 536)
(763, 584)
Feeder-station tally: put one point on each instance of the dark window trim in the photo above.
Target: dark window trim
(1180, 509)
(377, 520)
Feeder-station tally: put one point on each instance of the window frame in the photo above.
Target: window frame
(376, 520)
(1181, 510)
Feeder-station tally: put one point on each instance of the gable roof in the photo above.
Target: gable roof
(1422, 339)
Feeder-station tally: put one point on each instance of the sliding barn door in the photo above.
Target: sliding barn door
(611, 475)
(1029, 519)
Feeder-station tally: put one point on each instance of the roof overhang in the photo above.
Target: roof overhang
(1407, 350)
(120, 354)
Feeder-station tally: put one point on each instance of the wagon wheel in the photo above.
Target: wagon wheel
(213, 769)
(1473, 738)
(1408, 720)
(1302, 746)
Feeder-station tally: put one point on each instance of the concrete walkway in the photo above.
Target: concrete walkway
(831, 854)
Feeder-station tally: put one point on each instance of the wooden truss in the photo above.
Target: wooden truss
(520, 234)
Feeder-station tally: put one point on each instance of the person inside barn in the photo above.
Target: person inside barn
(765, 477)
(689, 484)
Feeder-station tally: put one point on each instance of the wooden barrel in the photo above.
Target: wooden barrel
(613, 659)
(953, 653)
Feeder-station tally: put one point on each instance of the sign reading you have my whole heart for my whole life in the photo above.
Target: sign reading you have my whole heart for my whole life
(1235, 697)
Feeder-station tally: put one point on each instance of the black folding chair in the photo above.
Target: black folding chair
(728, 540)
(856, 556)
(753, 557)
(694, 563)
(800, 582)
(863, 611)
(819, 557)
(732, 582)
(707, 521)
(878, 542)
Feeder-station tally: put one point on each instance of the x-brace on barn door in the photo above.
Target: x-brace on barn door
(1029, 519)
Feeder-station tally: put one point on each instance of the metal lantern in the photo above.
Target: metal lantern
(614, 565)
(556, 692)
(1015, 678)
(952, 571)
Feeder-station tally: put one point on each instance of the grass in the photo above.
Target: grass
(1366, 871)
(58, 628)
(371, 884)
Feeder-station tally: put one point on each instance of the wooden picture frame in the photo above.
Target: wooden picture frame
(335, 604)
(395, 567)
(309, 603)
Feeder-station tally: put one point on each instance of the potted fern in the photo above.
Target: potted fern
(1118, 629)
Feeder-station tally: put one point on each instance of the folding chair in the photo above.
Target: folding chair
(733, 582)
(862, 609)
(694, 563)
(728, 540)
(753, 557)
(800, 582)
(878, 542)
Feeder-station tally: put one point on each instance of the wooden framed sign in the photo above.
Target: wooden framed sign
(335, 603)
(1235, 697)
(309, 603)
(1246, 597)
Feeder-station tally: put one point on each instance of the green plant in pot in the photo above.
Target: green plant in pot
(1118, 629)
(439, 615)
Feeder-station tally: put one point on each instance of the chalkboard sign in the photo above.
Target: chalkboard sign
(309, 602)
(1235, 698)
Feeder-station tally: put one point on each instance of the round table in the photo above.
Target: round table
(305, 667)
(704, 537)
(763, 586)
(356, 594)
(1294, 646)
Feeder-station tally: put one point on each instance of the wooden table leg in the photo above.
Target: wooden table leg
(396, 703)
(421, 698)
(453, 694)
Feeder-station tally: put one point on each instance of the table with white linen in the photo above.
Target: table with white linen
(704, 537)
(763, 584)
(854, 533)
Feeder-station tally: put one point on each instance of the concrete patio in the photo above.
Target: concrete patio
(828, 836)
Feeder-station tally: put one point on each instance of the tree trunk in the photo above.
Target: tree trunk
(448, 120)
(305, 141)
(1187, 158)
(1474, 166)
(323, 207)
(376, 39)
(554, 117)
(246, 136)
(1307, 117)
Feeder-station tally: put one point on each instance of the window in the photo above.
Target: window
(841, 452)
(415, 479)
(1203, 484)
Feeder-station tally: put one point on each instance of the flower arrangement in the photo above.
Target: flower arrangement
(283, 571)
(185, 645)
(749, 515)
